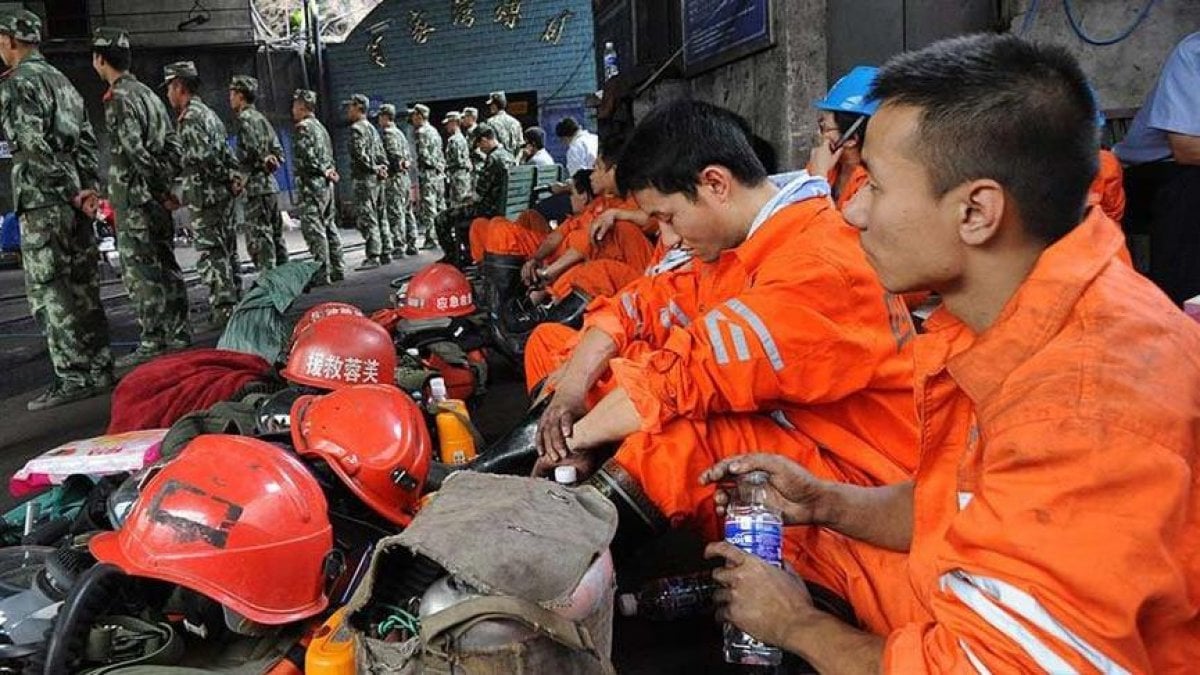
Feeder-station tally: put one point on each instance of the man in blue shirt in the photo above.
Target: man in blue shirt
(1162, 180)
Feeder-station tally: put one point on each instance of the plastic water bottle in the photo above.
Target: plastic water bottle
(671, 598)
(753, 527)
(610, 61)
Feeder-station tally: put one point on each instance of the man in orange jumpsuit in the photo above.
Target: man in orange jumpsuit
(1051, 525)
(794, 346)
(636, 319)
(837, 154)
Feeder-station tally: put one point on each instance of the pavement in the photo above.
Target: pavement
(27, 372)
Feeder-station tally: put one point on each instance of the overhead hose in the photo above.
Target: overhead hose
(1075, 25)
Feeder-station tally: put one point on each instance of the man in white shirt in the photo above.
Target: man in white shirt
(534, 150)
(582, 145)
(1162, 180)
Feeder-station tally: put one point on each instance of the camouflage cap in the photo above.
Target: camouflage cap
(421, 109)
(22, 25)
(388, 109)
(451, 116)
(359, 100)
(110, 37)
(308, 96)
(179, 69)
(473, 112)
(244, 84)
(482, 130)
(497, 97)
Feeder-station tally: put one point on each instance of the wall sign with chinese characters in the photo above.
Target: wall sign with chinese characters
(508, 13)
(462, 13)
(555, 27)
(419, 28)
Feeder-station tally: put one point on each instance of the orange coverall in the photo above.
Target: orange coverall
(620, 258)
(501, 236)
(1056, 500)
(858, 178)
(1108, 188)
(795, 349)
(669, 298)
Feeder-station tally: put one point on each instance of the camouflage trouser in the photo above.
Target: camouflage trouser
(62, 281)
(264, 232)
(145, 239)
(368, 216)
(458, 185)
(399, 214)
(216, 242)
(318, 223)
(433, 201)
(452, 227)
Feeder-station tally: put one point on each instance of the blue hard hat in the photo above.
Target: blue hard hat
(850, 93)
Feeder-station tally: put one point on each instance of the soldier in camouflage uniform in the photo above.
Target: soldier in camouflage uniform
(453, 224)
(55, 173)
(368, 168)
(208, 172)
(470, 120)
(146, 156)
(431, 177)
(508, 129)
(315, 177)
(458, 163)
(259, 154)
(397, 190)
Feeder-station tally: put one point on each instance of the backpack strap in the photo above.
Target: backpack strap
(466, 614)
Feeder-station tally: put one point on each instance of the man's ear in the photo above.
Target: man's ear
(717, 180)
(980, 208)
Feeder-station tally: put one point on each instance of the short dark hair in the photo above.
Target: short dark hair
(190, 84)
(566, 127)
(998, 107)
(486, 132)
(583, 183)
(845, 121)
(535, 137)
(611, 146)
(678, 139)
(120, 58)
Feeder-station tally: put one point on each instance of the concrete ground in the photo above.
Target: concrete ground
(640, 647)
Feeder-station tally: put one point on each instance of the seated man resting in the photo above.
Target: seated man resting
(793, 344)
(1051, 525)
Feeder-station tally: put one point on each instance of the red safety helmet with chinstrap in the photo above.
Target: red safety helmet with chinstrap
(342, 351)
(323, 311)
(374, 438)
(438, 291)
(235, 519)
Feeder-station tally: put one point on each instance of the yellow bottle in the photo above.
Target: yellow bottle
(456, 443)
(331, 651)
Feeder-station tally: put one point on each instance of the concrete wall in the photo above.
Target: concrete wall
(458, 62)
(1125, 72)
(772, 89)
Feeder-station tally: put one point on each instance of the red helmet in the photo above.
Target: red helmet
(438, 291)
(323, 311)
(375, 439)
(235, 519)
(341, 351)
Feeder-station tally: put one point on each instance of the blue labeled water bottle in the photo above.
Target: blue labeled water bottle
(755, 528)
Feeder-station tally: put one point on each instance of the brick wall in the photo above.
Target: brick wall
(460, 62)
